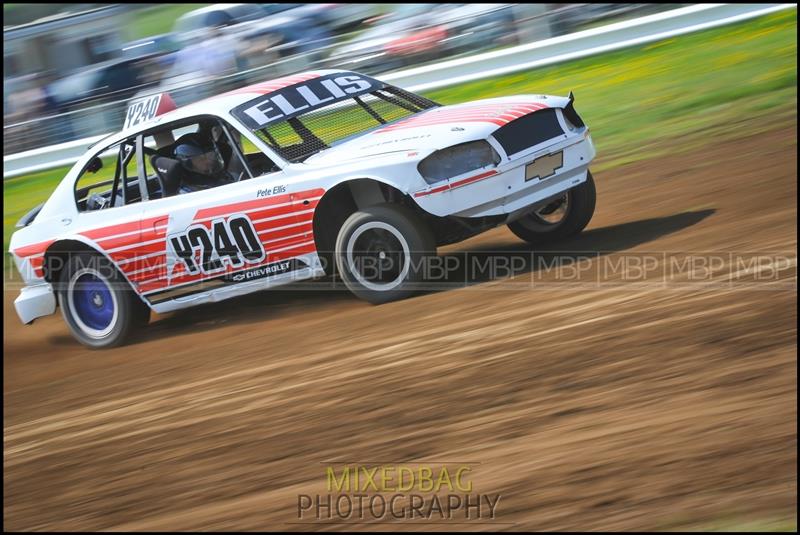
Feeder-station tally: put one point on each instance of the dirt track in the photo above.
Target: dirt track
(648, 404)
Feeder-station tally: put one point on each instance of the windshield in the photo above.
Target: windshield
(307, 118)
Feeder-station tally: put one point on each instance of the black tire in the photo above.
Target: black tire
(578, 203)
(381, 253)
(89, 287)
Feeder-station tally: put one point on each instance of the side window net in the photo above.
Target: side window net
(299, 137)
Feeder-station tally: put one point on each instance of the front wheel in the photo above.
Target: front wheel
(560, 219)
(97, 303)
(381, 253)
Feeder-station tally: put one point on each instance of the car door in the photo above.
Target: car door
(111, 218)
(229, 234)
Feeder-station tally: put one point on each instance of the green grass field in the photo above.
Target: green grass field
(698, 83)
(699, 86)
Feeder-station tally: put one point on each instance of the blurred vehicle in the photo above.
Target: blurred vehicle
(340, 169)
(165, 44)
(163, 51)
(336, 18)
(121, 78)
(394, 40)
(216, 15)
(414, 33)
(295, 31)
(574, 17)
(228, 45)
(474, 27)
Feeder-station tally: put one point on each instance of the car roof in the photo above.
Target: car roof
(221, 104)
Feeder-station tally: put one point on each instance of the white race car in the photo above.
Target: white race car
(292, 179)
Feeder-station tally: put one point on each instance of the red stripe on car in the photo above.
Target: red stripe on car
(33, 249)
(458, 184)
(499, 114)
(122, 228)
(265, 233)
(145, 263)
(243, 206)
(132, 239)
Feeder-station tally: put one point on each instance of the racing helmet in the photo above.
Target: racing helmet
(199, 158)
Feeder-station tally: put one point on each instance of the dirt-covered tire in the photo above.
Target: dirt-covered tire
(575, 209)
(382, 251)
(98, 304)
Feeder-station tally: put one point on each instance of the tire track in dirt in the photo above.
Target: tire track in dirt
(610, 403)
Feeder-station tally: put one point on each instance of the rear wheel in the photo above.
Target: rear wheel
(381, 253)
(560, 219)
(98, 305)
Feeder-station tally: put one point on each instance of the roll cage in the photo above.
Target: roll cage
(142, 187)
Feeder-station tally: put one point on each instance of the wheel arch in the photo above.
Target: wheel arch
(345, 198)
(57, 255)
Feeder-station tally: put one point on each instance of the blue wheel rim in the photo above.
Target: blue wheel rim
(93, 303)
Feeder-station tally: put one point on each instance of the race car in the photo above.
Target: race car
(304, 176)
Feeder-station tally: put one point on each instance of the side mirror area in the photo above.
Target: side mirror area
(95, 164)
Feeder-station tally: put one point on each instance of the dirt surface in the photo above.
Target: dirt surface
(652, 399)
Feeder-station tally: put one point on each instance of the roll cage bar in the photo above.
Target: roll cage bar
(126, 152)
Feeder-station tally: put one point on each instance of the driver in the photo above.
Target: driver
(202, 163)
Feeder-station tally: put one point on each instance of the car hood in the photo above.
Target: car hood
(419, 135)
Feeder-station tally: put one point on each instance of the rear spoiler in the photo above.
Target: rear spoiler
(570, 113)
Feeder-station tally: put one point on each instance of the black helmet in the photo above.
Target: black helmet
(197, 158)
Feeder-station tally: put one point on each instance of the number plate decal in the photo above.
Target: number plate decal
(141, 110)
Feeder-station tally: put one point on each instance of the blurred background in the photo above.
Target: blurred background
(69, 70)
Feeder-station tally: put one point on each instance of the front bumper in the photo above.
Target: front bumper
(35, 301)
(504, 190)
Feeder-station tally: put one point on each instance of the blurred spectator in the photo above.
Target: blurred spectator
(61, 129)
(218, 54)
(26, 102)
(24, 105)
(210, 55)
